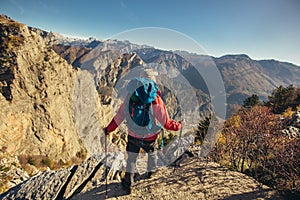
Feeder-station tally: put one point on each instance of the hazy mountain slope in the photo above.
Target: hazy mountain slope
(175, 73)
(284, 72)
(52, 38)
(243, 75)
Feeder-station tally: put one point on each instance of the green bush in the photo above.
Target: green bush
(31, 161)
(47, 162)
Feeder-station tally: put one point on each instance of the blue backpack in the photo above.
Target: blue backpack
(140, 118)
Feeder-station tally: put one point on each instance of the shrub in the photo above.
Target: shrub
(38, 161)
(46, 58)
(47, 162)
(3, 149)
(31, 161)
(288, 112)
(252, 143)
(82, 154)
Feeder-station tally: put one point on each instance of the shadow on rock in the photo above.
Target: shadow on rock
(113, 190)
(255, 195)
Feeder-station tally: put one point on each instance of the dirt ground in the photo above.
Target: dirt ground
(194, 179)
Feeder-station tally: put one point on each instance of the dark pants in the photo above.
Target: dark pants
(133, 147)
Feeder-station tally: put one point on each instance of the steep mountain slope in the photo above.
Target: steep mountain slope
(48, 108)
(36, 88)
(244, 76)
(72, 54)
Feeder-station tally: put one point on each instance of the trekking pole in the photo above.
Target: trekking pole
(179, 142)
(162, 138)
(105, 146)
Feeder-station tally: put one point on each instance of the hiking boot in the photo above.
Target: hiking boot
(125, 186)
(151, 174)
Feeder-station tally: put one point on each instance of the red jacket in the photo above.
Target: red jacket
(160, 114)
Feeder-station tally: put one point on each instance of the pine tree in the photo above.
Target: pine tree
(251, 101)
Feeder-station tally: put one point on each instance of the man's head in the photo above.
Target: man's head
(149, 73)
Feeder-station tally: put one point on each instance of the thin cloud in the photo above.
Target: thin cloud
(18, 6)
(123, 5)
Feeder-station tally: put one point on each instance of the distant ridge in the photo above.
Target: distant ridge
(242, 75)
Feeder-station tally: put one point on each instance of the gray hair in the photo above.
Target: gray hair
(149, 73)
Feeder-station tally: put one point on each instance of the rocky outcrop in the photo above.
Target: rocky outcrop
(61, 184)
(194, 179)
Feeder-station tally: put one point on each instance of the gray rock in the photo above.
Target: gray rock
(293, 130)
(44, 186)
(82, 174)
(65, 183)
(11, 172)
(170, 153)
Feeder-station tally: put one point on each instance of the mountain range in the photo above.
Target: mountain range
(241, 75)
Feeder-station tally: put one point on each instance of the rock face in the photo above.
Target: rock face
(37, 88)
(73, 54)
(48, 108)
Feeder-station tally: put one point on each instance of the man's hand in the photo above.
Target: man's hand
(105, 131)
(182, 122)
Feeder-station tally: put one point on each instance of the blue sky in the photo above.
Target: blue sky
(262, 29)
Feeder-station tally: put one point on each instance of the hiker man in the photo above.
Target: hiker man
(145, 113)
